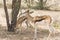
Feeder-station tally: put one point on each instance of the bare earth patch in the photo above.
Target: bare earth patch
(27, 34)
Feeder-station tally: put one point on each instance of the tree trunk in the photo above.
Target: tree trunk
(6, 13)
(15, 10)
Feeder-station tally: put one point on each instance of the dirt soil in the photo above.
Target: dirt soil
(27, 34)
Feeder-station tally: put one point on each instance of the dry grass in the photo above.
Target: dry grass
(27, 34)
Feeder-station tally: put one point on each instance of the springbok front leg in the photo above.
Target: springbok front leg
(35, 35)
(18, 28)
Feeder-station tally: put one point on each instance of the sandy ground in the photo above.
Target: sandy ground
(28, 34)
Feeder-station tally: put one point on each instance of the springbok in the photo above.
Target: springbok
(19, 22)
(32, 20)
(35, 19)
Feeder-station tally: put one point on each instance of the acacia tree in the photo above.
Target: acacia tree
(6, 12)
(15, 10)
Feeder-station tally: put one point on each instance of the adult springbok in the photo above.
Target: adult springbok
(35, 19)
(32, 20)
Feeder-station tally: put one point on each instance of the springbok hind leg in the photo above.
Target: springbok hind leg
(49, 36)
(52, 32)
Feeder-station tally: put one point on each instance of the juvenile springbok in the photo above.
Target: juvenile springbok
(19, 22)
